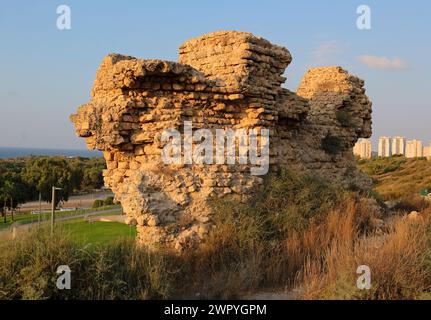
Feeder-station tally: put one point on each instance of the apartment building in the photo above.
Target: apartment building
(427, 151)
(398, 146)
(414, 149)
(384, 149)
(362, 149)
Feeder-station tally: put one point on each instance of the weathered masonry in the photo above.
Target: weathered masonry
(222, 80)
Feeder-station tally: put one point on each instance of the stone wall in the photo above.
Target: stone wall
(224, 80)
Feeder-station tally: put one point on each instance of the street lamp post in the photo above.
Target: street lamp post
(53, 208)
(40, 208)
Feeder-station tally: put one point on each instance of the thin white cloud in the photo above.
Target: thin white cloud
(376, 62)
(325, 52)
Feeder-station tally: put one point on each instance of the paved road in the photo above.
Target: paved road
(81, 201)
(18, 227)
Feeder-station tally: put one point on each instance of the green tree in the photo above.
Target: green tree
(44, 173)
(13, 191)
(92, 179)
(87, 173)
(77, 171)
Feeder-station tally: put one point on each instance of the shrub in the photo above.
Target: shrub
(384, 165)
(109, 201)
(344, 118)
(331, 144)
(287, 202)
(295, 200)
(98, 203)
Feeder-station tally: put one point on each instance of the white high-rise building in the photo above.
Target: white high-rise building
(398, 145)
(414, 149)
(362, 149)
(427, 151)
(384, 147)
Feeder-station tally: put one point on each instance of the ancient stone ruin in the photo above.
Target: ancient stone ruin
(222, 80)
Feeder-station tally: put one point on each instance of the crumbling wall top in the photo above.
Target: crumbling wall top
(239, 61)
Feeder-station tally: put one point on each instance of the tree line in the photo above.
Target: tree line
(23, 179)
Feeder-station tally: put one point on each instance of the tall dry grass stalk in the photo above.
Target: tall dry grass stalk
(398, 260)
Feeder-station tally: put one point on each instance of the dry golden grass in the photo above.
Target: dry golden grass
(398, 177)
(398, 260)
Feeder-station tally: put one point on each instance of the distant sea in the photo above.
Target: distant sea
(6, 152)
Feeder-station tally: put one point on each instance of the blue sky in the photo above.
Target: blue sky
(46, 73)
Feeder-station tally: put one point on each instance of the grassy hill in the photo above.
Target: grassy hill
(398, 177)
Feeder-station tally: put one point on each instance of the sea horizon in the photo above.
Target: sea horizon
(16, 152)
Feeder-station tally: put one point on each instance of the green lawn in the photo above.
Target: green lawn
(24, 218)
(97, 232)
